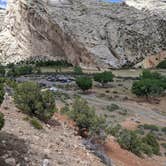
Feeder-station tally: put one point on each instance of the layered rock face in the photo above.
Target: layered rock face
(2, 16)
(152, 5)
(85, 32)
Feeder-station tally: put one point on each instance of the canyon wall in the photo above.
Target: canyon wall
(88, 33)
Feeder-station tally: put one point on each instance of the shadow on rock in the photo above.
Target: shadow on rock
(13, 150)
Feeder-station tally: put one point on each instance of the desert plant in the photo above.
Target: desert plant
(29, 98)
(112, 107)
(129, 140)
(86, 118)
(150, 127)
(36, 123)
(151, 140)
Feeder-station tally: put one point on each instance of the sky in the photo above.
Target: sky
(3, 2)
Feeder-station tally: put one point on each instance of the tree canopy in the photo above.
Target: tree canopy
(104, 77)
(84, 83)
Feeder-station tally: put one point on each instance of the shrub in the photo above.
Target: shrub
(112, 107)
(33, 102)
(85, 118)
(150, 127)
(84, 83)
(164, 145)
(147, 149)
(163, 130)
(78, 70)
(104, 77)
(36, 123)
(1, 120)
(2, 93)
(129, 140)
(151, 140)
(114, 130)
(162, 65)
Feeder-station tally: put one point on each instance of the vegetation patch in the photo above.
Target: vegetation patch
(162, 65)
(104, 77)
(84, 83)
(2, 121)
(31, 100)
(112, 107)
(134, 141)
(150, 84)
(150, 127)
(86, 119)
(36, 123)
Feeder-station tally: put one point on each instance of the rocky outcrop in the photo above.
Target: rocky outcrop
(152, 5)
(85, 32)
(2, 16)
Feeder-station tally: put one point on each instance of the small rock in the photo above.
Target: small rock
(45, 162)
(10, 161)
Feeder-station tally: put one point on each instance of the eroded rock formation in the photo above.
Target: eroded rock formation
(85, 32)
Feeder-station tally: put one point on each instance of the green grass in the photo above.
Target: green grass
(36, 123)
(150, 127)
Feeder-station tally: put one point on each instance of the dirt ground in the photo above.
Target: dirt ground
(21, 144)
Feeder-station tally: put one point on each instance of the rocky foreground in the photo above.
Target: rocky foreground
(91, 33)
(22, 145)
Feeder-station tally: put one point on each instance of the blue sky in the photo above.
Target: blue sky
(3, 3)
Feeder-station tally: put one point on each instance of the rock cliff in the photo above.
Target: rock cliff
(2, 16)
(90, 33)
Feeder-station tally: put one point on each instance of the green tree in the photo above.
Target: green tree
(29, 98)
(104, 77)
(84, 83)
(78, 70)
(19, 70)
(147, 74)
(147, 87)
